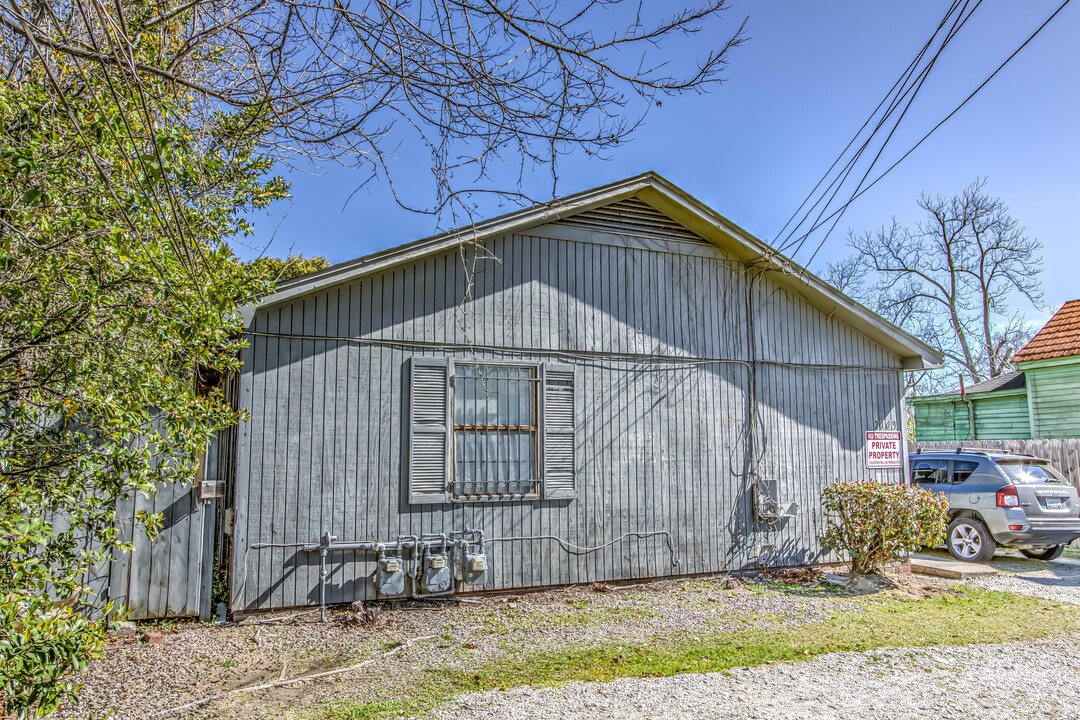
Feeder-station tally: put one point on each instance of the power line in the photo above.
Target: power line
(934, 129)
(902, 80)
(909, 90)
(918, 83)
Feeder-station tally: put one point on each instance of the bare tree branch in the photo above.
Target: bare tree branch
(951, 280)
(473, 82)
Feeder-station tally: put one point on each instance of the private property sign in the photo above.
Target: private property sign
(883, 449)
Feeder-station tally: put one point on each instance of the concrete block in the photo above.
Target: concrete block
(949, 568)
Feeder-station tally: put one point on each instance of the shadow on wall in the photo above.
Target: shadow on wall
(575, 297)
(321, 402)
(350, 577)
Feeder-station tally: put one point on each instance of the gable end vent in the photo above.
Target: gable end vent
(632, 217)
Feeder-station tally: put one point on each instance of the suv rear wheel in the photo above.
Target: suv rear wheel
(1050, 553)
(969, 540)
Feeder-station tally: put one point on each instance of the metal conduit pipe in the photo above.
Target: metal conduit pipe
(583, 550)
(455, 539)
(329, 543)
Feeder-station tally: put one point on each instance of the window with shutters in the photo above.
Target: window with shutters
(496, 432)
(490, 431)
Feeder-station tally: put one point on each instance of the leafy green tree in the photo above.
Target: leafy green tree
(132, 142)
(272, 269)
(116, 291)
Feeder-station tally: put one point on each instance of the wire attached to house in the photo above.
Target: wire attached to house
(585, 550)
(657, 362)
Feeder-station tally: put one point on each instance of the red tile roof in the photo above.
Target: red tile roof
(1059, 338)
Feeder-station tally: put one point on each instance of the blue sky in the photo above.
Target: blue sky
(795, 94)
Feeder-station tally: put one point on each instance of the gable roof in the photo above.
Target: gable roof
(1058, 338)
(660, 195)
(1012, 380)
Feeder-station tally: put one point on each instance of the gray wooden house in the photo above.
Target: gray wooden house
(618, 384)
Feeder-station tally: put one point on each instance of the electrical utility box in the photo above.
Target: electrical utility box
(768, 506)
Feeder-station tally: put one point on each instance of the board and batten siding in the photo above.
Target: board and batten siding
(999, 415)
(1054, 398)
(168, 575)
(657, 333)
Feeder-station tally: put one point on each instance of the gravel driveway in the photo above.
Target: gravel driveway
(1028, 679)
(1058, 580)
(981, 682)
(977, 682)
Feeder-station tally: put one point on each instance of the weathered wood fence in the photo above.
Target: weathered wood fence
(1062, 454)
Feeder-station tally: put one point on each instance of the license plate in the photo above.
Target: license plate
(1054, 503)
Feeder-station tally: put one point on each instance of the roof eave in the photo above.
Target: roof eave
(1047, 362)
(914, 353)
(401, 254)
(665, 196)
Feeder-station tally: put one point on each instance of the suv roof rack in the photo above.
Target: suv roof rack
(990, 451)
(975, 451)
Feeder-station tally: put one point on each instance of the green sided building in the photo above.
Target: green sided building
(1040, 399)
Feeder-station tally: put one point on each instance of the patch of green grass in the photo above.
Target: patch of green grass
(961, 616)
(380, 709)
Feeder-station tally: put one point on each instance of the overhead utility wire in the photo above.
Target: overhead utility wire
(944, 120)
(899, 81)
(920, 81)
(912, 83)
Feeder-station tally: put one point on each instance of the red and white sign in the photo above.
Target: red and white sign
(883, 449)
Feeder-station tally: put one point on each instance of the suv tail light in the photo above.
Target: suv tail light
(1007, 497)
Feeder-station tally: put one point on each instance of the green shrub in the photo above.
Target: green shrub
(43, 644)
(873, 522)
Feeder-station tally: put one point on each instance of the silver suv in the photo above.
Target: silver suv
(997, 498)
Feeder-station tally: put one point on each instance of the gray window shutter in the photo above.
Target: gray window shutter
(429, 430)
(558, 428)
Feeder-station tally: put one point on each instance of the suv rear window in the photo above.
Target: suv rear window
(1029, 473)
(930, 472)
(962, 470)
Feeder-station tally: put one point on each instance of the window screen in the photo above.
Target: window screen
(496, 436)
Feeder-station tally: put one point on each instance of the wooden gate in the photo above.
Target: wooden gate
(164, 576)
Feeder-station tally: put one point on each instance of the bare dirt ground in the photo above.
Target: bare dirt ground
(211, 672)
(193, 662)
